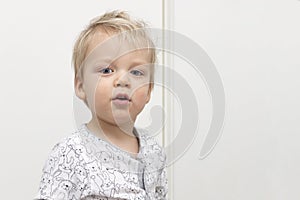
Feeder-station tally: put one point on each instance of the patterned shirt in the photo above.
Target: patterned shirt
(83, 166)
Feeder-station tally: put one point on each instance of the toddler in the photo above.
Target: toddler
(108, 158)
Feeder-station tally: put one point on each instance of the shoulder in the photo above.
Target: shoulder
(67, 143)
(67, 149)
(59, 175)
(151, 147)
(147, 139)
(77, 138)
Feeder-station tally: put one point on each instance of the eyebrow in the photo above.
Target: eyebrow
(138, 63)
(133, 63)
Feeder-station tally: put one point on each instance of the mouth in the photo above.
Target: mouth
(121, 99)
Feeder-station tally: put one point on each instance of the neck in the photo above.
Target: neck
(111, 131)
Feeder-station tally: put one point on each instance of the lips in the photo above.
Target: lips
(121, 96)
(121, 99)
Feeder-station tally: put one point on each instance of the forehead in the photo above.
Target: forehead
(114, 46)
(96, 40)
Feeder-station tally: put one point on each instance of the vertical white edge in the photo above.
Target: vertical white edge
(167, 99)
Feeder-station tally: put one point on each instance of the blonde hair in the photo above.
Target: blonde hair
(113, 22)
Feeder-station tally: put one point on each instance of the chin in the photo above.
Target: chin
(123, 120)
(123, 116)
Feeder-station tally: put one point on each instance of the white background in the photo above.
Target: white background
(255, 46)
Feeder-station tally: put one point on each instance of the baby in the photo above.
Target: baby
(108, 158)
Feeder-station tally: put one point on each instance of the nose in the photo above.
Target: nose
(122, 80)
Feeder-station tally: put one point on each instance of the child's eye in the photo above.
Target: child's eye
(106, 70)
(137, 72)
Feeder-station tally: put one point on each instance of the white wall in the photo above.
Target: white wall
(255, 46)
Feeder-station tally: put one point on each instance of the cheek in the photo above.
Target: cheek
(101, 96)
(90, 87)
(140, 96)
(101, 93)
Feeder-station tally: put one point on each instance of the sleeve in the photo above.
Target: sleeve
(58, 175)
(161, 189)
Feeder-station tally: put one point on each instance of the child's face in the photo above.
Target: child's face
(116, 88)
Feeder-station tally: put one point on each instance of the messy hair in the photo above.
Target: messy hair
(113, 22)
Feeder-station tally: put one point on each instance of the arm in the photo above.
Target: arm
(58, 175)
(161, 189)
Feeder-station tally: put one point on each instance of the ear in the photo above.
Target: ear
(78, 86)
